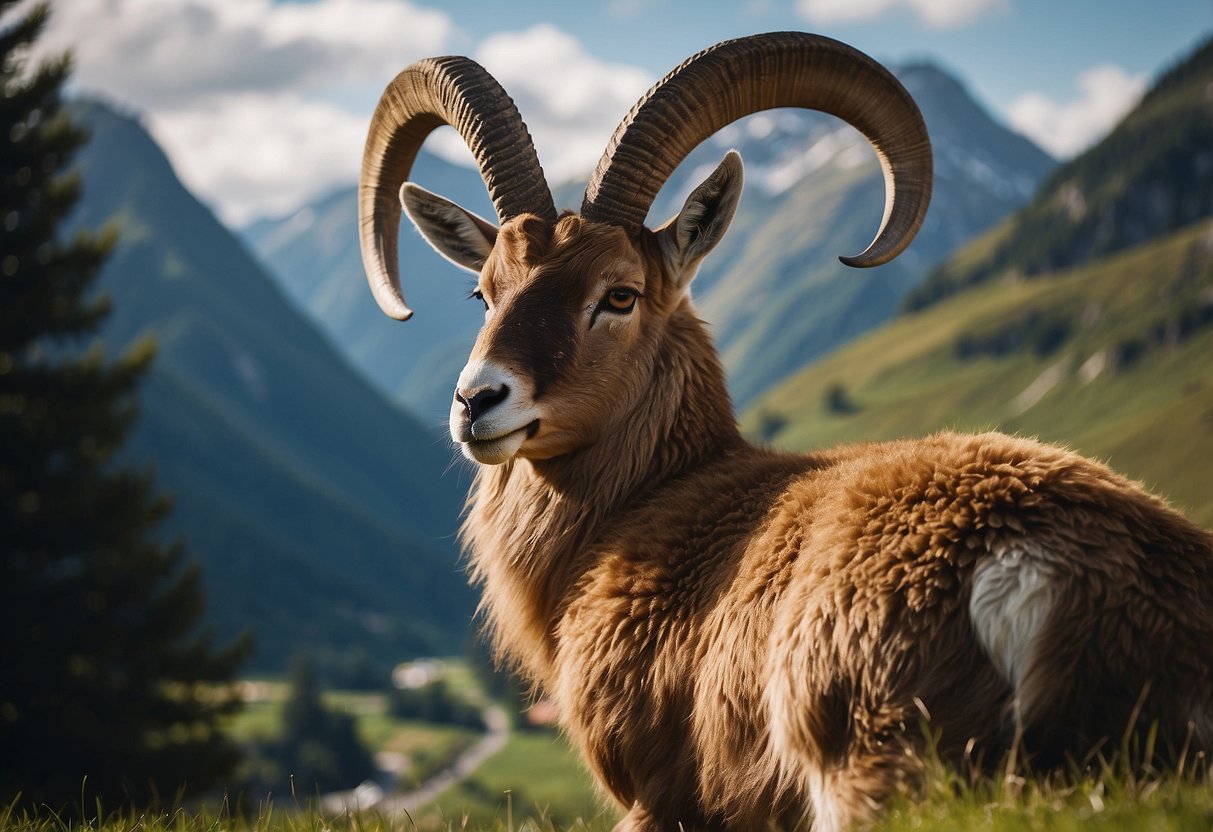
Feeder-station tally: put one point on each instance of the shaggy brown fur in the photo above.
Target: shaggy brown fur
(734, 635)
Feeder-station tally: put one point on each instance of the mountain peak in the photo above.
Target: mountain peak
(921, 75)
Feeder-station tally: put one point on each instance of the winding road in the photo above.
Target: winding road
(370, 796)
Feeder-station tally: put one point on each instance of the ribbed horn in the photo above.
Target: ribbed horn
(738, 77)
(432, 92)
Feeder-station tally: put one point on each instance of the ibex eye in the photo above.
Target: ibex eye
(621, 300)
(479, 295)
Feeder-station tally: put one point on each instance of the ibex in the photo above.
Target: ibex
(733, 635)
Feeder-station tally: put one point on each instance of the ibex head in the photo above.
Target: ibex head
(578, 308)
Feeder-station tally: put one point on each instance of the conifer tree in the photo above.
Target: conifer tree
(109, 687)
(320, 749)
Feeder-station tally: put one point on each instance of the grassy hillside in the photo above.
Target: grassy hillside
(1111, 358)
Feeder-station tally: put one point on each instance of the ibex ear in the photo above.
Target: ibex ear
(458, 235)
(704, 218)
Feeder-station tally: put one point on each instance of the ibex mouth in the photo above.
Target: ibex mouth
(499, 449)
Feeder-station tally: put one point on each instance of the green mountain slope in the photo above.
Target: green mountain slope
(1111, 358)
(1153, 174)
(323, 515)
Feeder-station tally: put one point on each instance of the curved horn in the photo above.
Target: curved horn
(436, 91)
(738, 77)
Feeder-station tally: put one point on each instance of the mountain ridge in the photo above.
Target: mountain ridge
(320, 512)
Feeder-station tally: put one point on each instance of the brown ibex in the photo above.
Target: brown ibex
(734, 635)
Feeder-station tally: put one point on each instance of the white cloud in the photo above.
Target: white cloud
(252, 154)
(937, 14)
(263, 105)
(243, 93)
(842, 11)
(1106, 94)
(161, 53)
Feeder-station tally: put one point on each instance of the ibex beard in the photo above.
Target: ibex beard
(735, 636)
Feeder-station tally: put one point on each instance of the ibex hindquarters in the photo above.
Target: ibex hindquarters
(793, 638)
(996, 594)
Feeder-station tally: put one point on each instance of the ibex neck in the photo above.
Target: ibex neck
(532, 526)
(684, 419)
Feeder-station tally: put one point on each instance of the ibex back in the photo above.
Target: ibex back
(734, 635)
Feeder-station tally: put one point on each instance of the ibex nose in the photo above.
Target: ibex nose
(477, 401)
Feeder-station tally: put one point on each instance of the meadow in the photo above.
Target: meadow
(539, 769)
(536, 783)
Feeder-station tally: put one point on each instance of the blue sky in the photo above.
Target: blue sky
(1008, 48)
(262, 104)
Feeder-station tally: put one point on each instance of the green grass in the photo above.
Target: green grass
(1111, 802)
(1168, 806)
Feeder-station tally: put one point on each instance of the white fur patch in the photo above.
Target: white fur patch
(827, 814)
(1013, 593)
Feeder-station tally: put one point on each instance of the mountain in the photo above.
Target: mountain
(1153, 174)
(773, 290)
(1097, 337)
(322, 514)
(314, 255)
